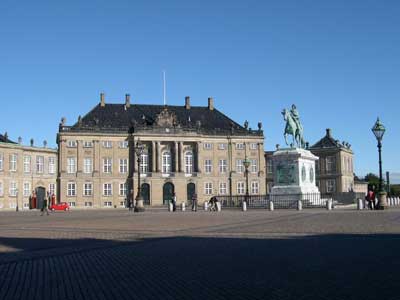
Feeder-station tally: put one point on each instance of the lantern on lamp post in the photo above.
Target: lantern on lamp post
(379, 131)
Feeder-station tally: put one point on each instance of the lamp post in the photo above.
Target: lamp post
(139, 150)
(16, 197)
(379, 131)
(246, 164)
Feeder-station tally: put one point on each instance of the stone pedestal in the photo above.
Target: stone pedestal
(294, 173)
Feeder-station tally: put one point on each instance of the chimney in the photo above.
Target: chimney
(102, 100)
(328, 132)
(187, 102)
(210, 103)
(127, 100)
(20, 140)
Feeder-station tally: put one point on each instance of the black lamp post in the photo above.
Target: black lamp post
(246, 164)
(379, 131)
(16, 197)
(139, 150)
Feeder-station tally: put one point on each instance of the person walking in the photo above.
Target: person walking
(194, 202)
(371, 199)
(44, 207)
(174, 201)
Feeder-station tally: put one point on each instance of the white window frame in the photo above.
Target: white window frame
(208, 188)
(207, 166)
(27, 189)
(71, 144)
(330, 164)
(207, 146)
(1, 189)
(39, 164)
(87, 144)
(107, 189)
(107, 165)
(240, 188)
(71, 189)
(253, 146)
(166, 162)
(123, 144)
(253, 165)
(107, 144)
(52, 165)
(123, 165)
(52, 188)
(189, 162)
(239, 146)
(330, 185)
(71, 165)
(144, 163)
(87, 189)
(13, 162)
(87, 165)
(1, 161)
(27, 164)
(13, 188)
(221, 146)
(223, 188)
(270, 166)
(123, 189)
(239, 166)
(223, 166)
(107, 204)
(255, 187)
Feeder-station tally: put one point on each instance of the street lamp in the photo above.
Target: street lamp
(246, 164)
(379, 131)
(139, 150)
(16, 197)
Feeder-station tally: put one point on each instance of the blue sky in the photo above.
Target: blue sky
(338, 61)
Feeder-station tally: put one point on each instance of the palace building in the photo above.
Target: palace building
(187, 149)
(24, 170)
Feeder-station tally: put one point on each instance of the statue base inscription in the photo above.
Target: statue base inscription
(294, 172)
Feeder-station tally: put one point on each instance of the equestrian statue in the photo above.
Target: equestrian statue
(293, 127)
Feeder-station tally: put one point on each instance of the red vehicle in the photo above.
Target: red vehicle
(60, 206)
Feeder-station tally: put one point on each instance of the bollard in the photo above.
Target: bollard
(359, 204)
(299, 205)
(271, 206)
(183, 207)
(329, 204)
(244, 206)
(218, 206)
(170, 207)
(206, 206)
(397, 200)
(390, 201)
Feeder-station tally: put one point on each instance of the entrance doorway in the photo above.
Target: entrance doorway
(145, 193)
(191, 190)
(168, 191)
(40, 195)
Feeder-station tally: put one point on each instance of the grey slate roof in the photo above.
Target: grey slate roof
(4, 139)
(329, 142)
(118, 117)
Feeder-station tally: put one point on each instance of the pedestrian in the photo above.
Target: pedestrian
(44, 207)
(194, 202)
(371, 199)
(174, 202)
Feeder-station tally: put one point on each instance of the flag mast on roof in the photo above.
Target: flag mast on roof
(164, 90)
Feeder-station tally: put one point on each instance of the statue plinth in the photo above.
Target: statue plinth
(294, 172)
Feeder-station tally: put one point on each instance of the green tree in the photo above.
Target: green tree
(373, 180)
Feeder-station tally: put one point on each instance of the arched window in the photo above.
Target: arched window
(166, 162)
(144, 163)
(188, 162)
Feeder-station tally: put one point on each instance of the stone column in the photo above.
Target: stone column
(158, 157)
(198, 160)
(176, 156)
(153, 156)
(182, 158)
(79, 158)
(96, 157)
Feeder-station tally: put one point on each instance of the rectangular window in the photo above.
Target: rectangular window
(207, 146)
(107, 204)
(107, 144)
(189, 162)
(123, 144)
(123, 189)
(13, 162)
(269, 166)
(253, 166)
(207, 166)
(254, 187)
(72, 204)
(27, 164)
(222, 166)
(39, 164)
(87, 165)
(239, 166)
(240, 187)
(253, 146)
(1, 189)
(144, 163)
(107, 165)
(331, 186)
(239, 146)
(13, 188)
(87, 144)
(52, 188)
(123, 165)
(71, 144)
(27, 189)
(222, 146)
(107, 189)
(71, 189)
(222, 188)
(208, 188)
(52, 165)
(87, 189)
(330, 164)
(1, 162)
(88, 204)
(71, 165)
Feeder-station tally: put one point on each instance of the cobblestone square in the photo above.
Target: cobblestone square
(258, 254)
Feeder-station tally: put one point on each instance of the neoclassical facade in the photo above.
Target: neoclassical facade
(186, 149)
(24, 169)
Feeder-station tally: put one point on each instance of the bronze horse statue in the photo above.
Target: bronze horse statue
(294, 129)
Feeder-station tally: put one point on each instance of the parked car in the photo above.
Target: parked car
(60, 206)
